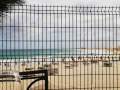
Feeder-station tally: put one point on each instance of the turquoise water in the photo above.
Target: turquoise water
(31, 53)
(26, 53)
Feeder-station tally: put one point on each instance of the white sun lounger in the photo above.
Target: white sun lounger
(9, 76)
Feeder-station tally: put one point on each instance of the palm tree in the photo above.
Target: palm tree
(5, 5)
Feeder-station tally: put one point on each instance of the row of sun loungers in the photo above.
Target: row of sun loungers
(11, 76)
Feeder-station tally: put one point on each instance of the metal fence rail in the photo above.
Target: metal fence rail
(79, 46)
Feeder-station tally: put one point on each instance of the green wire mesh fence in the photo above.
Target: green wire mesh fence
(78, 47)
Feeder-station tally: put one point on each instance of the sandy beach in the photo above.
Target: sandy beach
(72, 75)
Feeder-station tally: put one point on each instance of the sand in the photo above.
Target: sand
(77, 76)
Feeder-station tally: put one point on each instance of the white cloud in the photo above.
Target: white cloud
(75, 2)
(31, 37)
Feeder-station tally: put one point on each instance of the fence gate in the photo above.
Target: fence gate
(70, 47)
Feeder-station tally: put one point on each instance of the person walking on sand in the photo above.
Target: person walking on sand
(73, 59)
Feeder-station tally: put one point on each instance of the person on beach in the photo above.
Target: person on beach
(23, 63)
(101, 58)
(79, 58)
(73, 59)
(63, 59)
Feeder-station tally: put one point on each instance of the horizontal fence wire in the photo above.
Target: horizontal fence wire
(79, 46)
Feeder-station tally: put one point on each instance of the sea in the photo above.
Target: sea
(52, 53)
(32, 53)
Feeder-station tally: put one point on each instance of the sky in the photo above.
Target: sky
(31, 37)
(76, 2)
